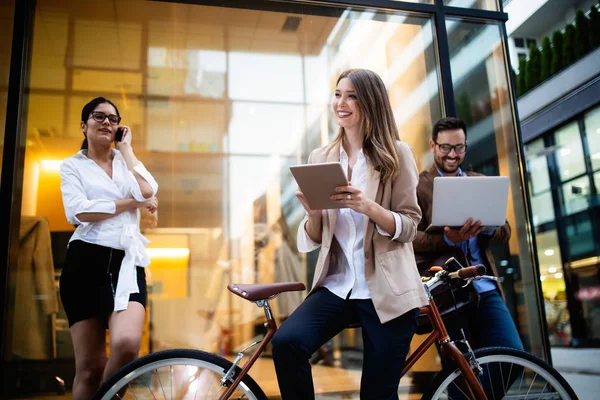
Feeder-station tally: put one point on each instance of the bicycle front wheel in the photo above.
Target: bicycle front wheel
(176, 374)
(506, 373)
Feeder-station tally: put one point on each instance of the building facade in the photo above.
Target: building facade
(560, 125)
(222, 99)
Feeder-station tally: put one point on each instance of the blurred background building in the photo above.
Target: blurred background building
(555, 51)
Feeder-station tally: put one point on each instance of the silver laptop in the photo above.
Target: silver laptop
(456, 199)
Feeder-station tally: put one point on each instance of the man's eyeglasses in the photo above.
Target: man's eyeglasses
(100, 117)
(447, 148)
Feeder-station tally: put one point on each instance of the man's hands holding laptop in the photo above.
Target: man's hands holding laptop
(469, 230)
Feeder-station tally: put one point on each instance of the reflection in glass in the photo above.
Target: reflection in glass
(569, 155)
(221, 101)
(553, 287)
(580, 237)
(592, 129)
(6, 28)
(537, 166)
(542, 208)
(481, 90)
(576, 195)
(491, 5)
(597, 184)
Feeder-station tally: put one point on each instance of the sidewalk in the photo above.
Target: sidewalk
(581, 368)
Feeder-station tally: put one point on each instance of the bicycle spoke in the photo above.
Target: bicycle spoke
(502, 378)
(531, 385)
(489, 375)
(161, 385)
(508, 380)
(464, 394)
(511, 375)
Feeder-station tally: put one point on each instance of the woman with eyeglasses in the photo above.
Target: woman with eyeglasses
(103, 282)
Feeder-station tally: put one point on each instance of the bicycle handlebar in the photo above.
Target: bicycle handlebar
(468, 272)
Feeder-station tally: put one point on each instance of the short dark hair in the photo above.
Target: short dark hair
(447, 124)
(87, 110)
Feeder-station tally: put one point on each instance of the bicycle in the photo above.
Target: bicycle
(194, 374)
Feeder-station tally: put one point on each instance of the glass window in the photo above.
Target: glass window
(569, 153)
(592, 134)
(597, 184)
(479, 4)
(576, 195)
(221, 101)
(537, 165)
(7, 12)
(553, 287)
(580, 237)
(478, 65)
(542, 208)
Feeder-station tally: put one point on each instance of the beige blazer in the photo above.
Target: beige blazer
(390, 267)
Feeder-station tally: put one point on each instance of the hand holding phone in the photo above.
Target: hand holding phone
(119, 134)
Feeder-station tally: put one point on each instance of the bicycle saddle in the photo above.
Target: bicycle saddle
(263, 292)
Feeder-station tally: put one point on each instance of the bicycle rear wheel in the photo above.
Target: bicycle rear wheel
(507, 373)
(176, 374)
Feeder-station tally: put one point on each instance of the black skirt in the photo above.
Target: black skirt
(89, 280)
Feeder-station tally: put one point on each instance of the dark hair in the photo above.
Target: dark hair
(448, 124)
(378, 124)
(87, 110)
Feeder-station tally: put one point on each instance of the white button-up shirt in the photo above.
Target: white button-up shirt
(349, 232)
(87, 188)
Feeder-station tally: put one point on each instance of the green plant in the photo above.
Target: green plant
(594, 31)
(546, 69)
(568, 48)
(463, 108)
(582, 34)
(521, 77)
(533, 68)
(557, 45)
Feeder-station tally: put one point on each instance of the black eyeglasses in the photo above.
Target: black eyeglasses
(447, 148)
(99, 116)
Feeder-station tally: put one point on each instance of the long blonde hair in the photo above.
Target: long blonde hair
(378, 124)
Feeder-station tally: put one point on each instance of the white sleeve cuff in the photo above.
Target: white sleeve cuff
(398, 231)
(305, 243)
(136, 191)
(95, 206)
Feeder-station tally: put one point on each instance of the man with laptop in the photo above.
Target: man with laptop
(484, 318)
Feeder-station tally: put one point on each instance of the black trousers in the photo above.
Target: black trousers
(322, 316)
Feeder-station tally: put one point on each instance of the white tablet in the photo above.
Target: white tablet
(318, 182)
(456, 199)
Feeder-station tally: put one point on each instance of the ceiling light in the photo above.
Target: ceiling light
(552, 270)
(549, 252)
(51, 165)
(542, 278)
(558, 275)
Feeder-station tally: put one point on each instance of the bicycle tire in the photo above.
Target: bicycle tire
(177, 358)
(489, 355)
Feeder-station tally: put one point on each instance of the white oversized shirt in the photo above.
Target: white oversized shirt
(350, 282)
(87, 188)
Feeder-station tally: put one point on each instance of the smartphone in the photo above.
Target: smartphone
(119, 134)
(453, 265)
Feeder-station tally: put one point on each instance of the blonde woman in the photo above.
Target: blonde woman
(366, 270)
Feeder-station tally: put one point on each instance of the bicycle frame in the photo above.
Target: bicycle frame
(271, 324)
(448, 349)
